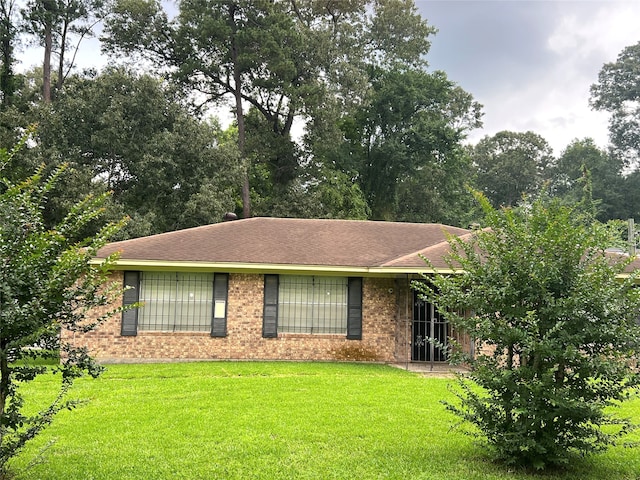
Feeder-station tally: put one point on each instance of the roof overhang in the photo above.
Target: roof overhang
(184, 266)
(262, 268)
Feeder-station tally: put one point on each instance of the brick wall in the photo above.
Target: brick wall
(244, 326)
(404, 302)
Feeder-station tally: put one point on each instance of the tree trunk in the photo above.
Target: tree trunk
(63, 41)
(8, 39)
(6, 73)
(46, 67)
(4, 382)
(246, 198)
(237, 79)
(560, 374)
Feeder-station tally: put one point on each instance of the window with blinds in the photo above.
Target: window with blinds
(176, 301)
(308, 304)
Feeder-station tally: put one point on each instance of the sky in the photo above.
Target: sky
(531, 63)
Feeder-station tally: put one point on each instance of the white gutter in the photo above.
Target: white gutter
(229, 267)
(156, 265)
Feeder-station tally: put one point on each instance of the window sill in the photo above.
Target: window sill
(312, 335)
(166, 333)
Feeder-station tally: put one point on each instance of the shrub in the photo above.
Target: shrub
(556, 316)
(46, 283)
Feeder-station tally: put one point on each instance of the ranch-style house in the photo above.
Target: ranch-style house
(276, 289)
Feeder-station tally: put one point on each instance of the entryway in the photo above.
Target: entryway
(427, 324)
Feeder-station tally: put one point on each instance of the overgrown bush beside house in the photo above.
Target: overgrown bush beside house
(46, 283)
(558, 314)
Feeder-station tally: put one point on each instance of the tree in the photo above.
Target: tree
(46, 284)
(554, 317)
(510, 164)
(239, 49)
(131, 134)
(25, 108)
(617, 92)
(286, 60)
(406, 138)
(8, 36)
(629, 191)
(437, 192)
(605, 170)
(273, 164)
(53, 23)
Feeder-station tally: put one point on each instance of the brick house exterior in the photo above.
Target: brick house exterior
(376, 317)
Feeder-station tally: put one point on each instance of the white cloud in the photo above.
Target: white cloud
(597, 29)
(553, 100)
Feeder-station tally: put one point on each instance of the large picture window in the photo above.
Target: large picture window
(308, 304)
(176, 301)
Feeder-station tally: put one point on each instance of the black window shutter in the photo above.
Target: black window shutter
(131, 295)
(354, 309)
(270, 313)
(220, 293)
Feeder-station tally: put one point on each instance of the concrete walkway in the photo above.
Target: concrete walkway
(430, 369)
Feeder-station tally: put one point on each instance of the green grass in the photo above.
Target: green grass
(271, 421)
(44, 358)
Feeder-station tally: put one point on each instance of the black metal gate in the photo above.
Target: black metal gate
(428, 324)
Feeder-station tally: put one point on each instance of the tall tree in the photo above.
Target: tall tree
(568, 177)
(286, 60)
(54, 23)
(8, 40)
(130, 134)
(629, 196)
(238, 49)
(510, 164)
(273, 163)
(617, 92)
(438, 191)
(24, 108)
(411, 128)
(556, 319)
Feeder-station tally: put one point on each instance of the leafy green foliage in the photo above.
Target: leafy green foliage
(310, 63)
(46, 284)
(129, 134)
(583, 161)
(617, 92)
(554, 317)
(406, 141)
(60, 26)
(510, 165)
(8, 43)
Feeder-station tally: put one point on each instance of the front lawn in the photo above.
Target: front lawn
(245, 420)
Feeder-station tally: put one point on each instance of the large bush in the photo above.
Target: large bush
(554, 319)
(46, 284)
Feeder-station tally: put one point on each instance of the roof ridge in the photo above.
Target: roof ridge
(353, 220)
(255, 219)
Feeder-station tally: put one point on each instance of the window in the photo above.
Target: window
(176, 301)
(306, 304)
(309, 304)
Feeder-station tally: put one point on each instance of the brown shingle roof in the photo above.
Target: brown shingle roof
(300, 242)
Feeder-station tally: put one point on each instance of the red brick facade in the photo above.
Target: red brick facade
(384, 331)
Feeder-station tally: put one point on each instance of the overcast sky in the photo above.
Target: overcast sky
(531, 63)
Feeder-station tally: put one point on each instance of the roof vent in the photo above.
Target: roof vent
(229, 216)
